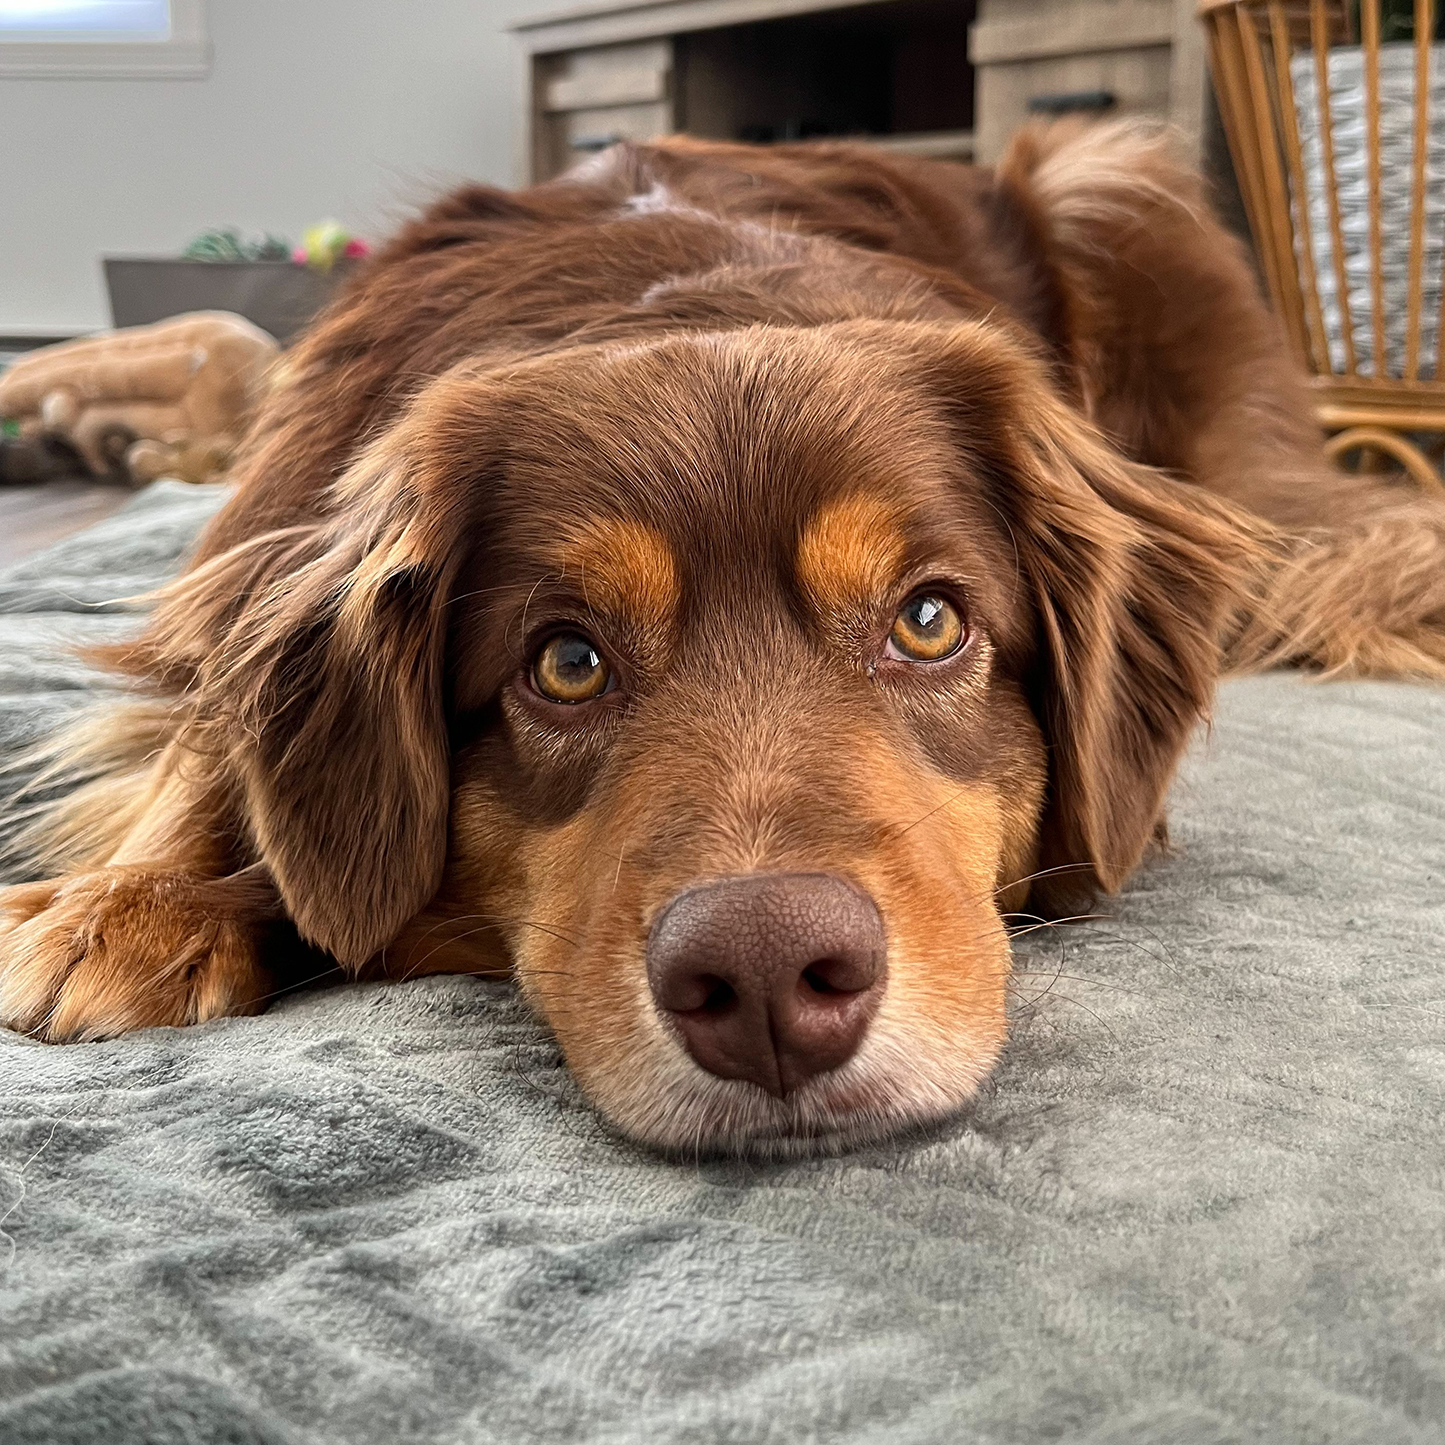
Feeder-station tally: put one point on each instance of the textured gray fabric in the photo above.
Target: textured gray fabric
(1203, 1201)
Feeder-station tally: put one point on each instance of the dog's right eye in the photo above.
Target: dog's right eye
(928, 628)
(570, 669)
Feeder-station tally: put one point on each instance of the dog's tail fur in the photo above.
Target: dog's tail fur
(1355, 581)
(1361, 595)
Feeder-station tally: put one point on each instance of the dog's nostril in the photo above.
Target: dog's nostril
(812, 979)
(689, 991)
(832, 976)
(720, 995)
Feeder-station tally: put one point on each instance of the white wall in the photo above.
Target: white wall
(355, 109)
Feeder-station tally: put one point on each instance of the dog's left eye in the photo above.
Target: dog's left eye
(570, 669)
(928, 628)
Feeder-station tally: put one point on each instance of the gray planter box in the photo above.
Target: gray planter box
(277, 296)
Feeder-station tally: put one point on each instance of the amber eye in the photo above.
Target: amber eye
(570, 669)
(927, 629)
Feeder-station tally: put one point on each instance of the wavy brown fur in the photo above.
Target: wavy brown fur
(725, 406)
(1162, 302)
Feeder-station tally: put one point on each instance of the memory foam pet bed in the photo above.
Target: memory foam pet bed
(1202, 1201)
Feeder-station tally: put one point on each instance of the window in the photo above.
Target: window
(99, 38)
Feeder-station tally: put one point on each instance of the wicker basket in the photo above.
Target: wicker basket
(1339, 145)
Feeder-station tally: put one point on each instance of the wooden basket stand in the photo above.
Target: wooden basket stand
(1335, 115)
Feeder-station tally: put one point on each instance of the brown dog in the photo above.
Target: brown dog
(720, 587)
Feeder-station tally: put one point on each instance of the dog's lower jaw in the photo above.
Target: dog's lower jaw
(895, 1084)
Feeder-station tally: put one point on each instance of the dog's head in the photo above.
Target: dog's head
(732, 689)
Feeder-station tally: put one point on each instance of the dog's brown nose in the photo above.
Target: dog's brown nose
(771, 977)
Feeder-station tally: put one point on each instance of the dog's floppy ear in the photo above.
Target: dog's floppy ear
(1131, 576)
(327, 694)
(1133, 582)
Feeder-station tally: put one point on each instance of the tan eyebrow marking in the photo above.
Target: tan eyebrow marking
(623, 567)
(852, 549)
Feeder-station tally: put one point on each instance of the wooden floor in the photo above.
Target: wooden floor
(34, 517)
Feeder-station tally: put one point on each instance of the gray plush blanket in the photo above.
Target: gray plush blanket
(1203, 1200)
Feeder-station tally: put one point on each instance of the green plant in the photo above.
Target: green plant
(1397, 19)
(230, 245)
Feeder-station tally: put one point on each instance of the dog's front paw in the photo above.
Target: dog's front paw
(100, 953)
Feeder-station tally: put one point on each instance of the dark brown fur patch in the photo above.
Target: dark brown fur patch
(724, 434)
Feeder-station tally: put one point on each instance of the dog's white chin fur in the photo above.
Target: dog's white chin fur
(898, 1081)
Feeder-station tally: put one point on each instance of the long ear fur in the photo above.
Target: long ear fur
(1134, 582)
(326, 699)
(1133, 579)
